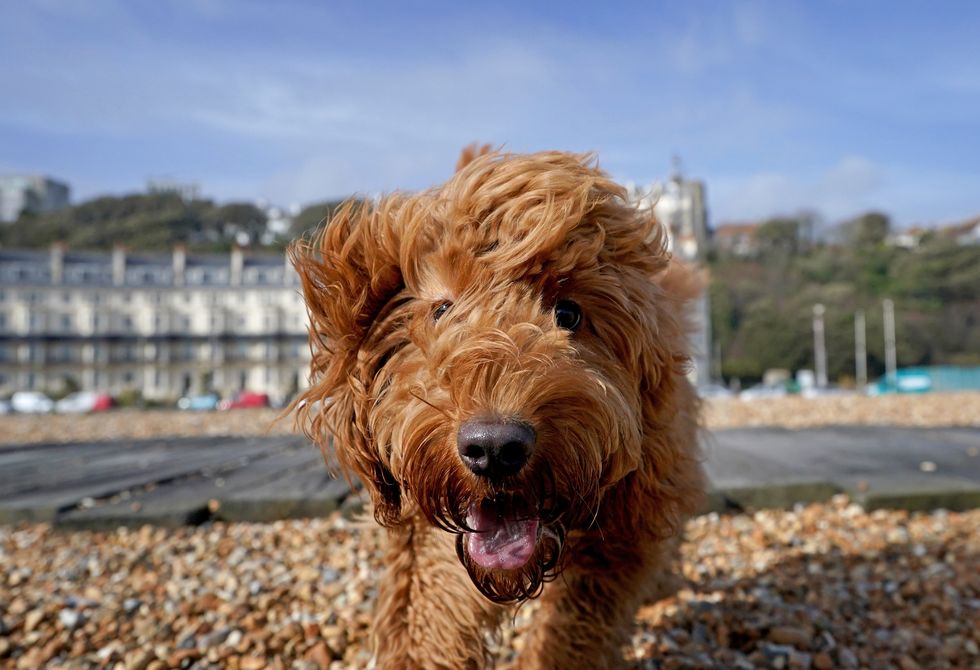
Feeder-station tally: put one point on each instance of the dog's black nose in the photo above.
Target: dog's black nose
(495, 449)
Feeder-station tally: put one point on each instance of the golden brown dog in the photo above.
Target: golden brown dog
(501, 361)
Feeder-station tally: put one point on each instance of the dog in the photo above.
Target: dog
(501, 361)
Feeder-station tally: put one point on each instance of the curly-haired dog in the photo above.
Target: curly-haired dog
(501, 361)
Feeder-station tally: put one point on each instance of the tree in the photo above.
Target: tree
(779, 238)
(867, 231)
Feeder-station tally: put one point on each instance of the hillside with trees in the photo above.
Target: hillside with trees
(762, 301)
(156, 222)
(152, 222)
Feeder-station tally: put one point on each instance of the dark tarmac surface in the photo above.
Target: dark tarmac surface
(173, 482)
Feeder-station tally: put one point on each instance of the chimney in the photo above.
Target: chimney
(180, 264)
(118, 264)
(58, 262)
(237, 262)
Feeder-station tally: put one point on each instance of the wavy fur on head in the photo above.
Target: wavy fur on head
(432, 309)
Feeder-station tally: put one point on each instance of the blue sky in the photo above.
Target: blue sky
(837, 107)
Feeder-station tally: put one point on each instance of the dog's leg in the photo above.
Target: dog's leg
(429, 615)
(588, 613)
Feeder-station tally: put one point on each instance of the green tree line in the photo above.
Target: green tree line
(156, 222)
(762, 305)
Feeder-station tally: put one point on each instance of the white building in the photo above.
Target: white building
(679, 204)
(161, 324)
(32, 193)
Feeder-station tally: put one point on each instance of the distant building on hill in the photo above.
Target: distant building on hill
(966, 233)
(736, 239)
(907, 238)
(30, 193)
(164, 325)
(679, 204)
(188, 191)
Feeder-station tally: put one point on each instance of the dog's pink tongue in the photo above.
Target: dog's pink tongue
(500, 543)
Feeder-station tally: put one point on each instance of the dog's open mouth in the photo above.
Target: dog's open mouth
(503, 535)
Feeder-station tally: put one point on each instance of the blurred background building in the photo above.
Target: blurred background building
(679, 204)
(161, 325)
(33, 194)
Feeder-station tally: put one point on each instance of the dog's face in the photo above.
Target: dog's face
(492, 354)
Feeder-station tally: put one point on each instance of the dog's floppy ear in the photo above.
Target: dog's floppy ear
(678, 287)
(471, 152)
(683, 282)
(350, 275)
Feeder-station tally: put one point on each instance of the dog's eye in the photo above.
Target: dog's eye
(440, 310)
(568, 315)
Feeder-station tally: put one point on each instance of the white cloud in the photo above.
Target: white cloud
(852, 185)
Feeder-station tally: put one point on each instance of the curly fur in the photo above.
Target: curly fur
(615, 468)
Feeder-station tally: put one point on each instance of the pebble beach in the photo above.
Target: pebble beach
(820, 586)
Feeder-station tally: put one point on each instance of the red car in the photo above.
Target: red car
(244, 400)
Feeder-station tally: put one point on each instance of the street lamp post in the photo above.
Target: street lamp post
(891, 362)
(860, 350)
(819, 346)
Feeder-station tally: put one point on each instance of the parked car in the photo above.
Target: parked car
(31, 402)
(202, 402)
(83, 402)
(911, 380)
(826, 391)
(244, 400)
(714, 391)
(760, 391)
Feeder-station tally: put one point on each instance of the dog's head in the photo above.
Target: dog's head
(495, 354)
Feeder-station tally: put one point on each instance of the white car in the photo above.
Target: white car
(763, 391)
(712, 391)
(77, 403)
(31, 402)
